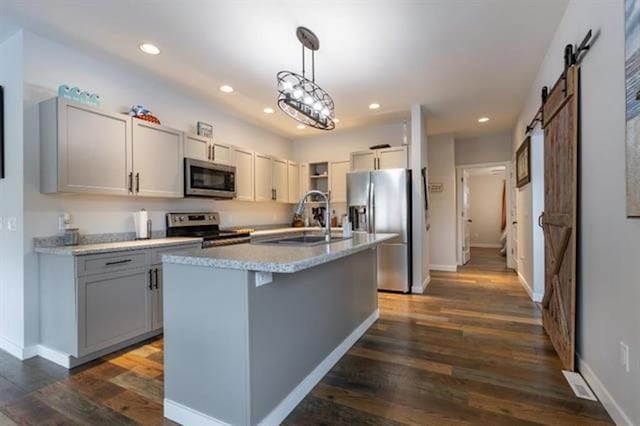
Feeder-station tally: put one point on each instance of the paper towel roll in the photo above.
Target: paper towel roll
(140, 218)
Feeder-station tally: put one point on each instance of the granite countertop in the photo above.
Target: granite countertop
(115, 246)
(272, 258)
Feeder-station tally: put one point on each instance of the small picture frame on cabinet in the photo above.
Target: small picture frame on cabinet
(205, 129)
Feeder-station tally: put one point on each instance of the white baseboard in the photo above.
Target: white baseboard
(443, 268)
(54, 356)
(483, 245)
(187, 416)
(421, 289)
(291, 401)
(536, 297)
(11, 348)
(612, 407)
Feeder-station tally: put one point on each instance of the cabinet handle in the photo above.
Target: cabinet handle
(213, 152)
(131, 182)
(150, 279)
(137, 182)
(118, 262)
(156, 274)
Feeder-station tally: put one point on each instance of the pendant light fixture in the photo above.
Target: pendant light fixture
(302, 99)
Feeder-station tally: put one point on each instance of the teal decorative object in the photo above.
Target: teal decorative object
(75, 94)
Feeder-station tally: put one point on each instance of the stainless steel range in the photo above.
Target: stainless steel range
(205, 225)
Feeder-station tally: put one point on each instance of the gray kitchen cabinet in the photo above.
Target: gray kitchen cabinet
(363, 161)
(158, 169)
(113, 308)
(206, 149)
(395, 157)
(263, 176)
(243, 160)
(95, 304)
(304, 179)
(293, 177)
(280, 180)
(338, 181)
(84, 149)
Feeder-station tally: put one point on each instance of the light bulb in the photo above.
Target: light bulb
(317, 106)
(297, 94)
(325, 112)
(287, 85)
(308, 100)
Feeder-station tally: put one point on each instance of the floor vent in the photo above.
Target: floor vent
(579, 386)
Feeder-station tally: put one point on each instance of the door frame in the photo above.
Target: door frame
(459, 235)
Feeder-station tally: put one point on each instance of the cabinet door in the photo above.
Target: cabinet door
(304, 179)
(338, 175)
(263, 178)
(157, 160)
(113, 308)
(221, 153)
(393, 158)
(197, 147)
(157, 315)
(294, 182)
(363, 161)
(243, 160)
(280, 180)
(94, 149)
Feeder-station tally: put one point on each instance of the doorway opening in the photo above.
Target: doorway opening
(484, 215)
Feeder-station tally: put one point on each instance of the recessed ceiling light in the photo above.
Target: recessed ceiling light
(336, 120)
(374, 105)
(483, 119)
(150, 49)
(268, 110)
(226, 88)
(301, 126)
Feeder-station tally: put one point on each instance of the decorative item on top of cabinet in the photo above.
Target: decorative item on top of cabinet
(77, 95)
(204, 129)
(142, 113)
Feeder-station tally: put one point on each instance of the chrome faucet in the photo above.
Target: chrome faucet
(327, 218)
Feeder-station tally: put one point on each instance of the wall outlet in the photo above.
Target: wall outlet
(624, 356)
(64, 220)
(12, 224)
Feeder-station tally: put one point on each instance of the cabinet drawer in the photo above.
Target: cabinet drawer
(156, 255)
(103, 263)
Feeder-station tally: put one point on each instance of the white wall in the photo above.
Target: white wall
(485, 209)
(442, 236)
(11, 199)
(48, 64)
(484, 149)
(609, 243)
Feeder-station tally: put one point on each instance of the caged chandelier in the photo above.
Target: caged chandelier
(301, 98)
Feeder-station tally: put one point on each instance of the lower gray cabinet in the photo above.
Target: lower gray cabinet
(113, 308)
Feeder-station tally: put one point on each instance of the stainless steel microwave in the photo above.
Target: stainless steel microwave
(204, 179)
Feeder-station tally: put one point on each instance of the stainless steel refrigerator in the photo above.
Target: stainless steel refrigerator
(380, 201)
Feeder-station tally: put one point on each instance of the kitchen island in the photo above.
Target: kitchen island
(250, 329)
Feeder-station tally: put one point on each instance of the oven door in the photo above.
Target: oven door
(203, 179)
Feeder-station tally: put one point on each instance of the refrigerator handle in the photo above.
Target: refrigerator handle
(372, 208)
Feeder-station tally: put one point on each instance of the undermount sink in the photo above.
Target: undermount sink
(306, 240)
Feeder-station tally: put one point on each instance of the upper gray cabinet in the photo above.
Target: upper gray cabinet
(88, 150)
(157, 160)
(395, 157)
(84, 149)
(206, 149)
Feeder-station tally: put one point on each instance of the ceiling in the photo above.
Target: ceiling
(461, 59)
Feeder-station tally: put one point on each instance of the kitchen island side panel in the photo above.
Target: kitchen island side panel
(298, 319)
(206, 341)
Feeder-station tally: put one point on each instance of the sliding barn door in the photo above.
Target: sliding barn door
(561, 131)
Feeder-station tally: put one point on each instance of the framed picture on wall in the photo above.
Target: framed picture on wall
(1, 132)
(523, 163)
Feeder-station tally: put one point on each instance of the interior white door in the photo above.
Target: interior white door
(363, 161)
(263, 178)
(157, 160)
(393, 158)
(465, 218)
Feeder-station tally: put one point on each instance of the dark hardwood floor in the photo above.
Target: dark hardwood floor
(470, 351)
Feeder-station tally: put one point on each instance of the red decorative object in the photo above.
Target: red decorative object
(150, 118)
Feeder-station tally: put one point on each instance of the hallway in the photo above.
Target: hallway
(470, 351)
